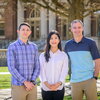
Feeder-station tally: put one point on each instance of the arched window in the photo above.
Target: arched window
(35, 13)
(63, 27)
(95, 24)
(98, 26)
(34, 19)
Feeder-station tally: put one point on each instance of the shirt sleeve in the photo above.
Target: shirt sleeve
(64, 71)
(42, 69)
(36, 71)
(11, 61)
(65, 48)
(94, 51)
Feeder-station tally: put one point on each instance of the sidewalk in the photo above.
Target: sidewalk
(3, 73)
(5, 93)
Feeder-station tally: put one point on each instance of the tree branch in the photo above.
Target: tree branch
(89, 13)
(59, 5)
(70, 3)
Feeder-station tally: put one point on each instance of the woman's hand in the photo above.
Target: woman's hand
(53, 87)
(47, 84)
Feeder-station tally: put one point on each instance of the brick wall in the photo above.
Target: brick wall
(11, 20)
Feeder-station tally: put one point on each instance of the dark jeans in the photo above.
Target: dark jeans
(53, 95)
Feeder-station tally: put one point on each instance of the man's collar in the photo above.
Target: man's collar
(21, 42)
(82, 40)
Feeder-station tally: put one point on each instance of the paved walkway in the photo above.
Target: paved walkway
(3, 73)
(5, 93)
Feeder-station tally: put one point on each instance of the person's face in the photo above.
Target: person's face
(54, 41)
(77, 29)
(24, 32)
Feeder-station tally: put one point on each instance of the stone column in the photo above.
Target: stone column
(43, 23)
(20, 14)
(87, 26)
(52, 21)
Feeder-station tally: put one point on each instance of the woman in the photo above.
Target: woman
(53, 68)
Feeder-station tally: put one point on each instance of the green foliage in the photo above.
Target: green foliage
(72, 9)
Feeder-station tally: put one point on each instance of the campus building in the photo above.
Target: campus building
(42, 21)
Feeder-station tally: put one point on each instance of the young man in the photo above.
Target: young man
(23, 64)
(85, 63)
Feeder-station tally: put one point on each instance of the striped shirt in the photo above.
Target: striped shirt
(23, 62)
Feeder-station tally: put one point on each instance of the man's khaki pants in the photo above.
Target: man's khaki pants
(20, 93)
(87, 87)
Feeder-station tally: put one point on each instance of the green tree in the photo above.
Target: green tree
(71, 9)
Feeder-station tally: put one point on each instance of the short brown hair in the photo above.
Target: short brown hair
(24, 23)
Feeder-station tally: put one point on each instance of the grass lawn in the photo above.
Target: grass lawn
(5, 81)
(5, 78)
(3, 69)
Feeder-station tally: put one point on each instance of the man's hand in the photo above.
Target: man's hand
(97, 67)
(28, 85)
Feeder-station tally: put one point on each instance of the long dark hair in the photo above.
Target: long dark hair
(48, 46)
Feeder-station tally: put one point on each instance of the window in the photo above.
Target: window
(35, 23)
(98, 26)
(1, 29)
(62, 27)
(1, 22)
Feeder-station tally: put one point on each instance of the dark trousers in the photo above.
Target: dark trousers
(53, 95)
